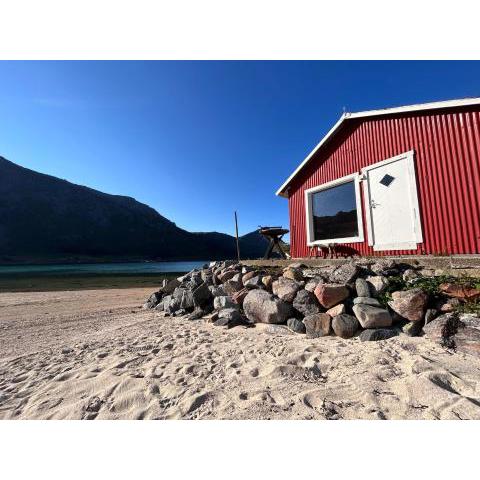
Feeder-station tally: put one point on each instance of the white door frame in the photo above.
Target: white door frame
(417, 226)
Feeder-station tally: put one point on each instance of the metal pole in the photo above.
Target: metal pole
(236, 236)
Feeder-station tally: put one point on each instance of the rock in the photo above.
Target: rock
(224, 302)
(366, 301)
(441, 327)
(362, 288)
(231, 286)
(226, 275)
(293, 274)
(154, 298)
(202, 295)
(409, 304)
(262, 307)
(412, 329)
(430, 314)
(345, 326)
(229, 317)
(461, 292)
(248, 276)
(336, 310)
(311, 285)
(184, 298)
(318, 325)
(385, 267)
(377, 334)
(196, 314)
(372, 317)
(449, 305)
(170, 286)
(329, 294)
(296, 325)
(306, 303)
(285, 289)
(297, 265)
(254, 282)
(410, 274)
(267, 281)
(278, 330)
(217, 291)
(467, 340)
(346, 273)
(377, 284)
(239, 297)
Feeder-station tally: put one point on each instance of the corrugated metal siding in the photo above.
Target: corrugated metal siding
(447, 161)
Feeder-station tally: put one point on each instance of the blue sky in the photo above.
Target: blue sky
(198, 140)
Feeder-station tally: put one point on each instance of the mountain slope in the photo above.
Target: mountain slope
(43, 217)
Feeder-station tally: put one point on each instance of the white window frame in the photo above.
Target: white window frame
(417, 224)
(355, 177)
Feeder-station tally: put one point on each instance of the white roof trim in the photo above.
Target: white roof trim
(464, 102)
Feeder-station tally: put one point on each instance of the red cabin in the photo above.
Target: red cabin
(397, 181)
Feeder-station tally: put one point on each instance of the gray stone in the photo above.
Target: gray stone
(441, 327)
(170, 286)
(184, 297)
(226, 275)
(229, 317)
(202, 295)
(318, 325)
(217, 291)
(254, 282)
(366, 301)
(346, 273)
(409, 304)
(377, 334)
(293, 274)
(345, 326)
(278, 330)
(430, 314)
(385, 267)
(224, 302)
(263, 307)
(285, 289)
(377, 284)
(410, 274)
(312, 284)
(336, 310)
(362, 287)
(372, 317)
(306, 303)
(296, 325)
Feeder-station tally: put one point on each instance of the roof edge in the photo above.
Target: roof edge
(463, 102)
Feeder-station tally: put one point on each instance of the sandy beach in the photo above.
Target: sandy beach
(94, 354)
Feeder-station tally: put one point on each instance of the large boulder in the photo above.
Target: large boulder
(409, 304)
(202, 296)
(263, 307)
(184, 297)
(318, 325)
(229, 317)
(345, 326)
(372, 317)
(330, 294)
(346, 273)
(467, 338)
(170, 286)
(442, 327)
(285, 289)
(306, 303)
(377, 284)
(296, 325)
(373, 335)
(217, 291)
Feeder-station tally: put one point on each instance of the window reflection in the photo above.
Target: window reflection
(335, 212)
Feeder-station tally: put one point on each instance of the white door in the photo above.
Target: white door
(391, 204)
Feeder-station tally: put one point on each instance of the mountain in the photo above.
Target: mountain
(44, 218)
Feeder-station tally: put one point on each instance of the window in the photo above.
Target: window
(334, 212)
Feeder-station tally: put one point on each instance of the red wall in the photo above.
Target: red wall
(447, 162)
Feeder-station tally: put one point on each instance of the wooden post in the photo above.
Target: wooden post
(236, 236)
